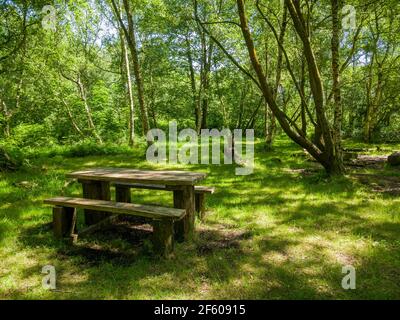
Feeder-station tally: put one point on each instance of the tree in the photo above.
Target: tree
(326, 155)
(129, 31)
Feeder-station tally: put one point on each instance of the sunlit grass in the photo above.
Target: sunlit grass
(276, 234)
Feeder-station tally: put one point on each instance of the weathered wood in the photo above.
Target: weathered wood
(139, 176)
(184, 199)
(200, 205)
(163, 237)
(95, 190)
(62, 221)
(153, 212)
(197, 189)
(94, 227)
(140, 186)
(122, 193)
(203, 189)
(74, 219)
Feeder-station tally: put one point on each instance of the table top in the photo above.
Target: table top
(133, 176)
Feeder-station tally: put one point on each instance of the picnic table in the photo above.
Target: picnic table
(96, 184)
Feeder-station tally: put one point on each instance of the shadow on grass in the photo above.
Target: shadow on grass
(234, 255)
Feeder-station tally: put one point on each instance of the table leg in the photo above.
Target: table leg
(95, 190)
(122, 193)
(184, 199)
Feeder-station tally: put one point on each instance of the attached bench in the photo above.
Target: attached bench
(64, 218)
(122, 191)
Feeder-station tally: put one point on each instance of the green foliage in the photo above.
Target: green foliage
(91, 148)
(11, 158)
(32, 135)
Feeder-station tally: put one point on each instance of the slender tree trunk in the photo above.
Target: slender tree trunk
(337, 98)
(7, 117)
(88, 110)
(195, 96)
(243, 94)
(303, 103)
(152, 99)
(222, 102)
(71, 118)
(270, 121)
(130, 36)
(278, 76)
(83, 97)
(207, 51)
(131, 139)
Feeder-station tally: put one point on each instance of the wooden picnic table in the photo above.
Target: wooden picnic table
(96, 184)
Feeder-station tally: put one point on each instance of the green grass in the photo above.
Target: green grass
(276, 234)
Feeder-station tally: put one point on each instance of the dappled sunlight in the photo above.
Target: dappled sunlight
(280, 233)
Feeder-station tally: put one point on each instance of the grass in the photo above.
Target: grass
(276, 234)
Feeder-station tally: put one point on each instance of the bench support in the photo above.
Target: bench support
(163, 237)
(64, 220)
(200, 205)
(184, 199)
(95, 190)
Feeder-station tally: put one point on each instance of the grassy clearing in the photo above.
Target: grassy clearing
(280, 233)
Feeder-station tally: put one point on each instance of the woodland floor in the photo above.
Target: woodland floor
(282, 233)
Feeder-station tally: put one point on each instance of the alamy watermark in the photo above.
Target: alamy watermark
(50, 18)
(349, 280)
(49, 280)
(210, 140)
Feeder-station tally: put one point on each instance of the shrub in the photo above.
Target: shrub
(11, 158)
(91, 148)
(31, 135)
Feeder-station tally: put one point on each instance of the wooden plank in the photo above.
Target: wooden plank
(154, 212)
(197, 189)
(141, 186)
(62, 221)
(137, 176)
(163, 237)
(184, 199)
(203, 189)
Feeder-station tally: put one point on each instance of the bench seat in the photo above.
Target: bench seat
(64, 218)
(146, 211)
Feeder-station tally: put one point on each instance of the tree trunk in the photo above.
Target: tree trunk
(130, 36)
(327, 158)
(337, 98)
(303, 103)
(82, 93)
(71, 118)
(334, 163)
(6, 115)
(207, 51)
(192, 75)
(131, 139)
(278, 76)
